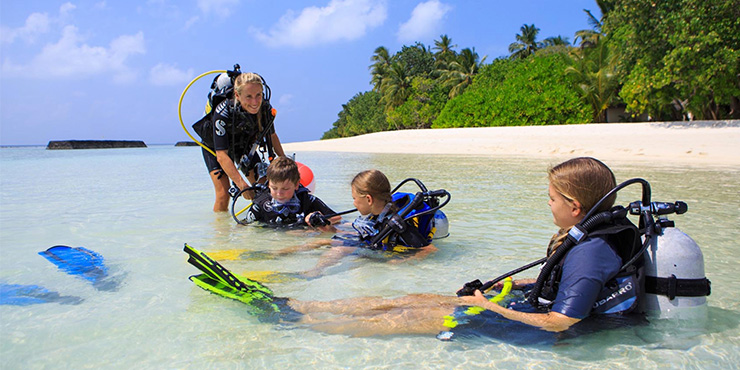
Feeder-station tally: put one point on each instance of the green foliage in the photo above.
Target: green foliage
(459, 71)
(526, 42)
(361, 115)
(417, 59)
(396, 85)
(671, 59)
(379, 69)
(422, 106)
(681, 53)
(534, 91)
(594, 73)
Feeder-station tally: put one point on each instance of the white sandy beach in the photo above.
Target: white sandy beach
(696, 143)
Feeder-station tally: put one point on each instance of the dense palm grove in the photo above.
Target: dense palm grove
(660, 59)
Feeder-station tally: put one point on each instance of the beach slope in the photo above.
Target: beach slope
(697, 142)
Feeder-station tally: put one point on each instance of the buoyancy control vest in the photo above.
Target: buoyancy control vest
(621, 293)
(243, 129)
(403, 232)
(291, 214)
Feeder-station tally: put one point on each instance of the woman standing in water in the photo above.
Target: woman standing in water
(238, 125)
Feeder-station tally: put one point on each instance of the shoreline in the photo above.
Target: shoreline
(691, 142)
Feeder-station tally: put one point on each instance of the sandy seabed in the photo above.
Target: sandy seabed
(715, 143)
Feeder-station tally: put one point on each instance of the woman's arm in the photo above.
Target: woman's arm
(550, 321)
(228, 166)
(276, 145)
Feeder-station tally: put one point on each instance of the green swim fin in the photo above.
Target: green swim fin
(218, 280)
(217, 272)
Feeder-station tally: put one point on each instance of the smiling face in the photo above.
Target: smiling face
(565, 212)
(250, 97)
(282, 191)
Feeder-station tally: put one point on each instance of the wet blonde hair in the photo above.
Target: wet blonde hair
(374, 183)
(583, 179)
(246, 79)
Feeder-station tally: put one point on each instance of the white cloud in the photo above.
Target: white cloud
(71, 57)
(221, 8)
(168, 75)
(36, 24)
(424, 22)
(66, 8)
(340, 20)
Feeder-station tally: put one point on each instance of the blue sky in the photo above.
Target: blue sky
(115, 70)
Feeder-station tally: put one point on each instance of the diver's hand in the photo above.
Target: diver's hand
(316, 219)
(477, 299)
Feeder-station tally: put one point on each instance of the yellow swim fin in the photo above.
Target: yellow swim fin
(241, 254)
(272, 277)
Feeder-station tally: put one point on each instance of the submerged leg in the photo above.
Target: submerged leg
(303, 247)
(328, 259)
(368, 306)
(428, 320)
(221, 186)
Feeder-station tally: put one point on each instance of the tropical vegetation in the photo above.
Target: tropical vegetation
(664, 60)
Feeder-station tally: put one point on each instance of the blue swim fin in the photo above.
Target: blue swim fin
(81, 262)
(25, 295)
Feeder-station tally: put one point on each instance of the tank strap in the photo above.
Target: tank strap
(673, 287)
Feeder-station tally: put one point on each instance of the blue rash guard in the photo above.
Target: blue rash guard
(586, 269)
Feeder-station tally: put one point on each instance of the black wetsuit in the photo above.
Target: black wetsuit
(292, 213)
(233, 129)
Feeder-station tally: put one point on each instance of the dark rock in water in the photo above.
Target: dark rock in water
(95, 144)
(186, 143)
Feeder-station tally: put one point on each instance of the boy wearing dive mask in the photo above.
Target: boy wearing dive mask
(287, 203)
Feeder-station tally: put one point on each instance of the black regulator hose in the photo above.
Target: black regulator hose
(235, 195)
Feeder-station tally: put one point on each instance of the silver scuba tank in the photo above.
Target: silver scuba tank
(441, 225)
(675, 284)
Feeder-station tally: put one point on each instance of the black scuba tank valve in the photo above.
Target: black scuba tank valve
(659, 208)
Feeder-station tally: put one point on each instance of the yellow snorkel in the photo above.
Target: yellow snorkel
(451, 321)
(505, 290)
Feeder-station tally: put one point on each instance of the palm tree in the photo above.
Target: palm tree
(460, 72)
(379, 69)
(444, 48)
(591, 37)
(396, 85)
(526, 43)
(556, 41)
(594, 71)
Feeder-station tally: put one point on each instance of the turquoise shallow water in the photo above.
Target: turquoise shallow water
(138, 206)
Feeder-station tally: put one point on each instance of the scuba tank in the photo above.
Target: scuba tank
(675, 284)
